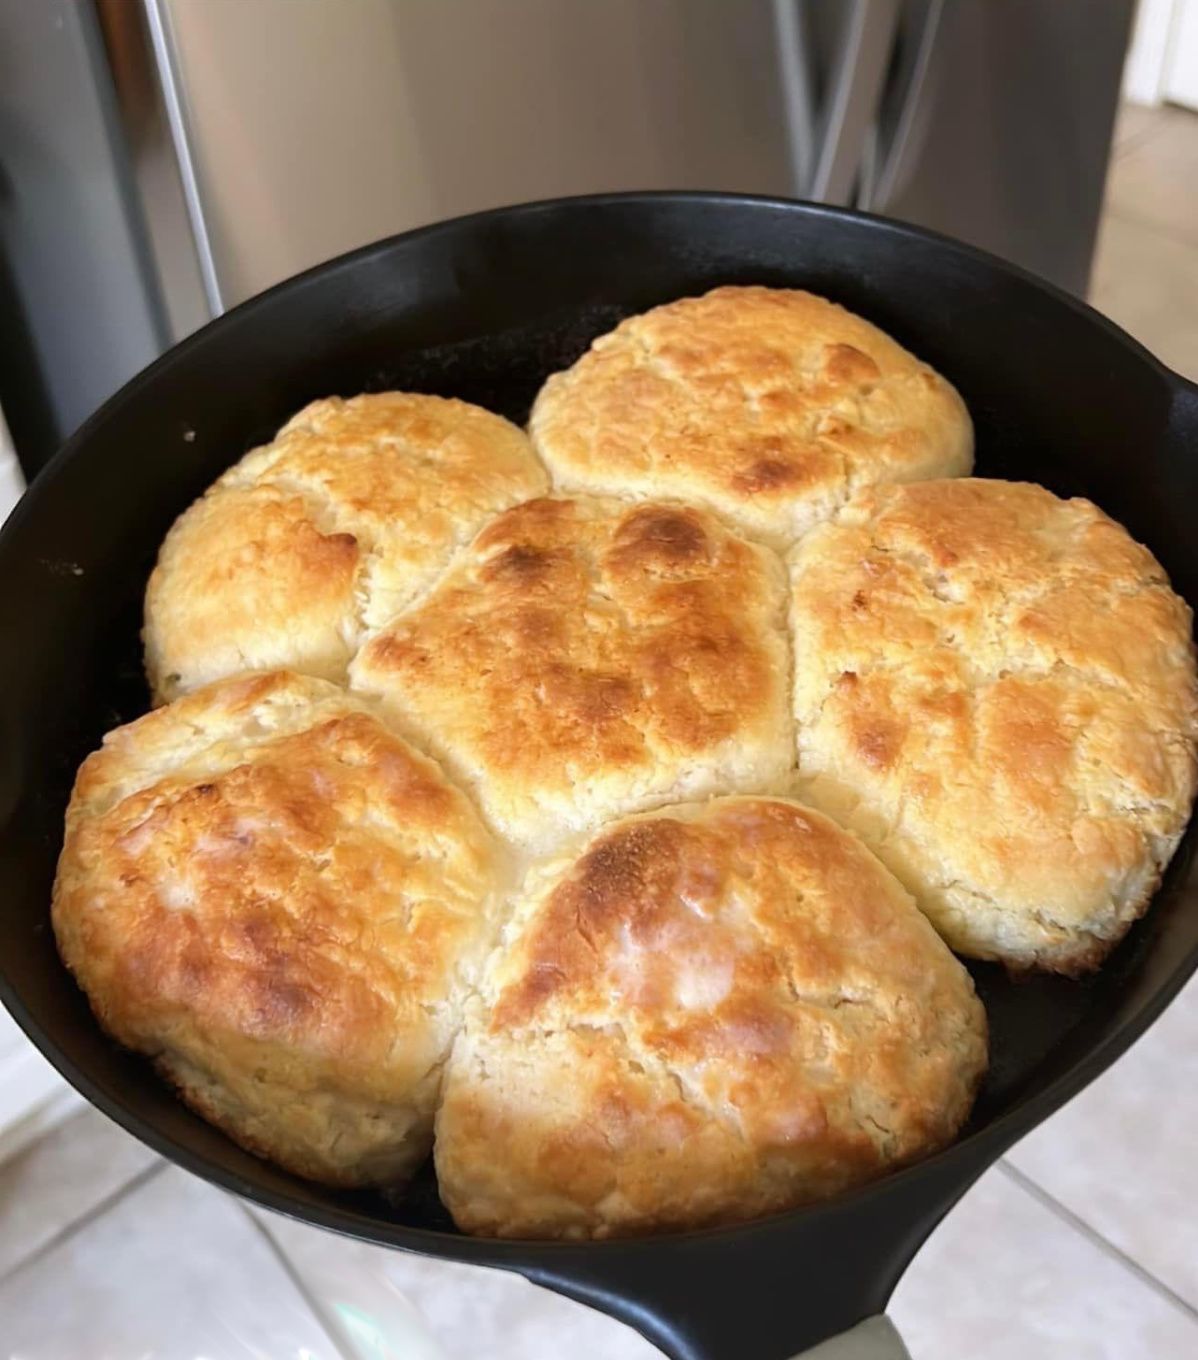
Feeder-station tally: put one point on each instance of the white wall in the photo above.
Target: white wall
(1144, 75)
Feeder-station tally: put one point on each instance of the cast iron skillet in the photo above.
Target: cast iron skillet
(484, 308)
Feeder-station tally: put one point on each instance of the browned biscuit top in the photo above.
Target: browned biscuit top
(770, 405)
(996, 689)
(717, 1010)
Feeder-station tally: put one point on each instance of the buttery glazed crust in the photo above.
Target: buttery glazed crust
(995, 689)
(717, 1011)
(769, 405)
(281, 903)
(331, 529)
(585, 658)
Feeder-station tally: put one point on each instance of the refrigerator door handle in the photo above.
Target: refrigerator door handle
(855, 89)
(158, 22)
(898, 152)
(798, 93)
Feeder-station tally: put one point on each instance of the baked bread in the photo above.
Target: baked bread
(584, 658)
(767, 404)
(271, 895)
(331, 529)
(718, 1011)
(995, 689)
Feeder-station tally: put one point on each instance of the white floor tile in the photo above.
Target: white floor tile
(467, 1312)
(11, 1038)
(17, 1136)
(1146, 267)
(1146, 280)
(1004, 1278)
(61, 1178)
(1155, 179)
(1135, 124)
(27, 1083)
(174, 1271)
(1123, 1156)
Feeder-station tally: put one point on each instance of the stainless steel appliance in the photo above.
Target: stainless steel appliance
(161, 160)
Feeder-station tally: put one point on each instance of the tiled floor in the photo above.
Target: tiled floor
(1083, 1245)
(1146, 271)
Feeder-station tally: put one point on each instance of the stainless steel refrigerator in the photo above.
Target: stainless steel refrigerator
(162, 161)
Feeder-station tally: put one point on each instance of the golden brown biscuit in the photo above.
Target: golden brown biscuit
(769, 405)
(995, 689)
(717, 1011)
(331, 529)
(270, 894)
(584, 658)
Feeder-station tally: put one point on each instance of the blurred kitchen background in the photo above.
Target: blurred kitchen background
(163, 160)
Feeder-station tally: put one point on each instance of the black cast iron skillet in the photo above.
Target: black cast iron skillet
(484, 308)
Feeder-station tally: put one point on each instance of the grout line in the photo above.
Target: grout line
(18, 1136)
(1167, 230)
(1104, 1244)
(318, 1310)
(1136, 141)
(97, 1210)
(1161, 120)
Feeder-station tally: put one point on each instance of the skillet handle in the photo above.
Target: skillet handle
(873, 1339)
